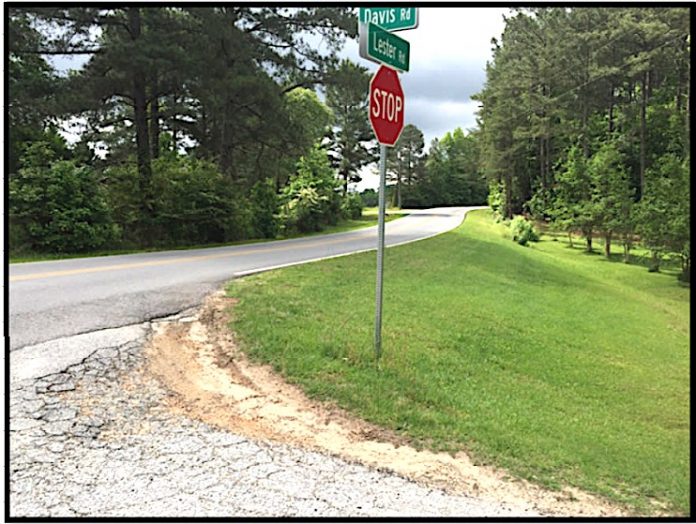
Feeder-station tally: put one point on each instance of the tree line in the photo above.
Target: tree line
(199, 124)
(448, 174)
(204, 124)
(584, 123)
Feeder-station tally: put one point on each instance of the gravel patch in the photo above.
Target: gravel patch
(96, 440)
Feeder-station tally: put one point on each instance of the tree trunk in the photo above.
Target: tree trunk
(570, 238)
(588, 240)
(585, 141)
(627, 249)
(686, 269)
(154, 118)
(398, 191)
(173, 129)
(542, 175)
(508, 196)
(607, 244)
(549, 152)
(654, 263)
(643, 106)
(611, 110)
(585, 109)
(687, 122)
(225, 151)
(142, 138)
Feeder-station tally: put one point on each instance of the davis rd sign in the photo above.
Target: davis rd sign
(390, 18)
(386, 106)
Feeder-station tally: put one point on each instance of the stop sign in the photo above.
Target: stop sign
(386, 106)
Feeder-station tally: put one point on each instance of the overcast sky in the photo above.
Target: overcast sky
(449, 51)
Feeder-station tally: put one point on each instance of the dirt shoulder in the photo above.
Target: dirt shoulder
(209, 379)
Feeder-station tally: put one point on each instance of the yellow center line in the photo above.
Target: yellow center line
(132, 265)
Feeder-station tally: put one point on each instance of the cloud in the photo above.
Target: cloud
(454, 85)
(435, 118)
(449, 51)
(452, 35)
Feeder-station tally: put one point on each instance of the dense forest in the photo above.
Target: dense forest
(585, 124)
(202, 124)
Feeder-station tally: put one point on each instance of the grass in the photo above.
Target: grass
(563, 368)
(368, 219)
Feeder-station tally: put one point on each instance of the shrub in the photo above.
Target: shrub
(540, 204)
(196, 204)
(264, 205)
(124, 201)
(352, 206)
(304, 211)
(311, 199)
(523, 231)
(58, 206)
(369, 197)
(495, 199)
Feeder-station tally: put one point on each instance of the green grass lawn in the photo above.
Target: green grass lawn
(369, 218)
(560, 366)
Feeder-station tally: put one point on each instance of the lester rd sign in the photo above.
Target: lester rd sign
(383, 47)
(386, 106)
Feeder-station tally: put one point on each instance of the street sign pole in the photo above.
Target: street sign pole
(386, 114)
(380, 249)
(385, 109)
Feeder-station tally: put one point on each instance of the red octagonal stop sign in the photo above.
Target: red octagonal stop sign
(386, 106)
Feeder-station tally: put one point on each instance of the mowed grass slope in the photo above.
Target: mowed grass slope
(561, 367)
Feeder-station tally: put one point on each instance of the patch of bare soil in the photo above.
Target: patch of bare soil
(211, 380)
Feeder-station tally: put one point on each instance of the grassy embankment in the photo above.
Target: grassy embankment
(561, 366)
(369, 218)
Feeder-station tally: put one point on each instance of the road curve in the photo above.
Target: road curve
(55, 299)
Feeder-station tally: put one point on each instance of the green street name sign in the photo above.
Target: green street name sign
(383, 47)
(390, 18)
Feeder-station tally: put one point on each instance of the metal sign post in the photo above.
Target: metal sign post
(380, 248)
(385, 109)
(386, 113)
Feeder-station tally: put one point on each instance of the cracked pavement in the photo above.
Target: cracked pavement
(94, 439)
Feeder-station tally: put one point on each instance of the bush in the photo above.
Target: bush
(124, 201)
(264, 205)
(523, 231)
(311, 199)
(58, 206)
(352, 206)
(369, 198)
(495, 199)
(540, 204)
(196, 204)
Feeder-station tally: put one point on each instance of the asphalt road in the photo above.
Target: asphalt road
(50, 300)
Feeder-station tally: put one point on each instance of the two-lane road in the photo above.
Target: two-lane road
(55, 299)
